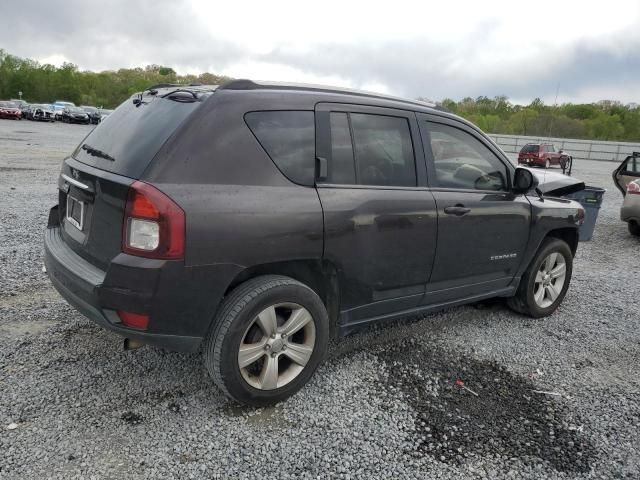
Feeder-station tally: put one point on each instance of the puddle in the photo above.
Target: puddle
(506, 418)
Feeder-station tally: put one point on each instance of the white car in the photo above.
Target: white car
(627, 178)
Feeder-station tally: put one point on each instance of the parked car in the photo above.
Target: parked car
(627, 178)
(258, 220)
(59, 106)
(24, 108)
(75, 115)
(542, 155)
(64, 103)
(19, 103)
(10, 110)
(93, 112)
(40, 112)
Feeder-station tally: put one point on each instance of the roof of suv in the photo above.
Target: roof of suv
(244, 84)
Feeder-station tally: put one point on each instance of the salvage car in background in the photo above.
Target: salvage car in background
(40, 112)
(9, 109)
(627, 178)
(542, 155)
(59, 106)
(74, 115)
(93, 112)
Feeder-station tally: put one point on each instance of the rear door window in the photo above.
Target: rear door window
(288, 137)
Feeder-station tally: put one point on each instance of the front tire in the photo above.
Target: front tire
(547, 164)
(268, 338)
(634, 228)
(546, 281)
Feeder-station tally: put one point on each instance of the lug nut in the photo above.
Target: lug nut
(267, 347)
(284, 347)
(273, 335)
(273, 355)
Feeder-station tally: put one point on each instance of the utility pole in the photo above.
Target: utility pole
(20, 95)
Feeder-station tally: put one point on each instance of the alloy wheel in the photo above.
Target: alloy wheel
(276, 346)
(550, 279)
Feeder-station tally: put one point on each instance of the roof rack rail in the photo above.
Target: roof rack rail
(245, 84)
(163, 85)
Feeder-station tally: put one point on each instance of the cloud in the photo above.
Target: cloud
(411, 49)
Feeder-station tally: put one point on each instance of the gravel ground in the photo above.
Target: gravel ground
(73, 404)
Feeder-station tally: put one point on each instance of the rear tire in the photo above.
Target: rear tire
(544, 284)
(634, 228)
(268, 338)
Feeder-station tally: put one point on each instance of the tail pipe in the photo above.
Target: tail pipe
(131, 344)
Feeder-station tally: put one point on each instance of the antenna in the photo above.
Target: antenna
(555, 105)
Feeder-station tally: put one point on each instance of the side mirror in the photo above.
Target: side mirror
(560, 151)
(524, 180)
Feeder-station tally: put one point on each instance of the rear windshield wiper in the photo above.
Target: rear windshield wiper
(97, 153)
(182, 95)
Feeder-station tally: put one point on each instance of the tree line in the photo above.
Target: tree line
(44, 83)
(603, 120)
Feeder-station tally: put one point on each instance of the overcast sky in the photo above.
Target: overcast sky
(585, 50)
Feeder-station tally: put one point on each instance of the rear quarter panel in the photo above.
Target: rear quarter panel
(240, 209)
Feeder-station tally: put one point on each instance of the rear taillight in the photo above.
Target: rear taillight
(634, 188)
(153, 224)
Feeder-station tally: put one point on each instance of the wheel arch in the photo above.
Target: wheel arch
(568, 235)
(320, 276)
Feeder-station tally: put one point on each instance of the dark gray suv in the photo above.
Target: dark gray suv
(257, 221)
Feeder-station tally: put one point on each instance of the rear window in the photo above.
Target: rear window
(530, 149)
(126, 141)
(288, 137)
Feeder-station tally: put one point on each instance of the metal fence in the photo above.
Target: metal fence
(578, 149)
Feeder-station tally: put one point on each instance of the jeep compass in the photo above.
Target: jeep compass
(255, 221)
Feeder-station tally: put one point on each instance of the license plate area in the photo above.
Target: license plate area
(75, 212)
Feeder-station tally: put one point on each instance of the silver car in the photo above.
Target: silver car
(627, 178)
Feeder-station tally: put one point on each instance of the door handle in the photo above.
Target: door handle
(458, 210)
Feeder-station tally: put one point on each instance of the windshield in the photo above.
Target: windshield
(127, 140)
(90, 109)
(75, 110)
(530, 149)
(9, 104)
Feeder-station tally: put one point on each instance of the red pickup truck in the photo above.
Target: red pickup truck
(542, 155)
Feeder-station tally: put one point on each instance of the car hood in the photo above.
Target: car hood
(556, 184)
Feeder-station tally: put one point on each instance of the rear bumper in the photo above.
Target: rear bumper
(86, 288)
(533, 162)
(630, 209)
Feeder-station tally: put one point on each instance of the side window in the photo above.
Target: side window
(289, 139)
(383, 150)
(462, 161)
(342, 169)
(550, 148)
(633, 165)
